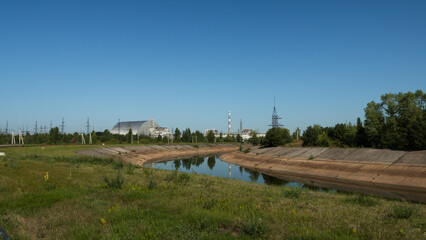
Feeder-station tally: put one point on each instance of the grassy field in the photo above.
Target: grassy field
(50, 193)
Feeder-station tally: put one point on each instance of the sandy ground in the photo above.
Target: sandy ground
(393, 174)
(150, 153)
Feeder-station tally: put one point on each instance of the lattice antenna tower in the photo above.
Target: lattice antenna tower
(88, 126)
(275, 118)
(62, 126)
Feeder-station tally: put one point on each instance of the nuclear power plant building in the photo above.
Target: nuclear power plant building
(148, 128)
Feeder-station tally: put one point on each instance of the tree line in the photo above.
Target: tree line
(56, 137)
(398, 121)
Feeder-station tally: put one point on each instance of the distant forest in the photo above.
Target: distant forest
(398, 121)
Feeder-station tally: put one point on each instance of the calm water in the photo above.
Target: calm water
(214, 166)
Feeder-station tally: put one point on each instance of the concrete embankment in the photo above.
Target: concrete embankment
(150, 153)
(393, 174)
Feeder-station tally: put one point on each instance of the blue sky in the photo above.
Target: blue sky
(187, 63)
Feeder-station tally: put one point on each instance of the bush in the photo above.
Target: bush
(183, 178)
(311, 157)
(277, 137)
(247, 150)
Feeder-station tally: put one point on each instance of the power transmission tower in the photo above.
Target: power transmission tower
(62, 126)
(7, 127)
(35, 128)
(88, 126)
(50, 125)
(275, 118)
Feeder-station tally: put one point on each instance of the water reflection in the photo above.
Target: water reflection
(214, 166)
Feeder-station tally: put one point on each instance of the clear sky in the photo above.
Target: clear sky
(187, 63)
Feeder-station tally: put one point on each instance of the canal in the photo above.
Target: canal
(214, 166)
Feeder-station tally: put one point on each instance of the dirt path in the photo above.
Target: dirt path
(139, 155)
(394, 179)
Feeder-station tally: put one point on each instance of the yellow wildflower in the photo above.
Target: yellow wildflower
(103, 221)
(354, 230)
(46, 177)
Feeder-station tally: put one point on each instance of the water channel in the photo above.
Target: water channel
(214, 166)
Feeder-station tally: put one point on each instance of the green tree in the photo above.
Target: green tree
(311, 136)
(277, 137)
(361, 137)
(186, 135)
(210, 137)
(54, 135)
(253, 138)
(176, 135)
(239, 138)
(159, 138)
(374, 123)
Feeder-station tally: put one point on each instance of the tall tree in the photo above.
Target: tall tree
(176, 135)
(277, 137)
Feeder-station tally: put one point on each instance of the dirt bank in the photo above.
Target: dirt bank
(149, 153)
(379, 172)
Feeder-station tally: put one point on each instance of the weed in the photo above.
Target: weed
(116, 182)
(196, 146)
(183, 178)
(253, 225)
(152, 185)
(119, 165)
(240, 148)
(362, 200)
(292, 192)
(147, 171)
(402, 211)
(130, 169)
(311, 157)
(172, 176)
(247, 150)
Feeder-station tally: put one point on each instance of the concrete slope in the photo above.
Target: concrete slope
(394, 174)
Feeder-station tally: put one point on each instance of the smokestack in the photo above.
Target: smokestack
(229, 122)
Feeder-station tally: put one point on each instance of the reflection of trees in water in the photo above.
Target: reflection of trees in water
(254, 175)
(273, 180)
(241, 170)
(197, 161)
(177, 164)
(211, 161)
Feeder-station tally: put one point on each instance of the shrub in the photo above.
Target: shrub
(247, 150)
(311, 157)
(119, 165)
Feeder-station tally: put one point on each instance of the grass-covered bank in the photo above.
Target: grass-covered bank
(51, 193)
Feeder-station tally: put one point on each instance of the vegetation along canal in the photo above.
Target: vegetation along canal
(215, 166)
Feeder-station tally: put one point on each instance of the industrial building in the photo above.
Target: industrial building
(147, 128)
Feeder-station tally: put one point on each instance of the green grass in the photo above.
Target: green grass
(141, 203)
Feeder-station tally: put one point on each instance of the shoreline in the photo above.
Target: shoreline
(385, 179)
